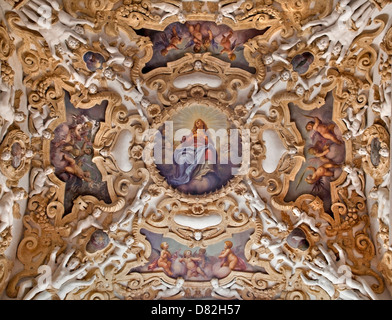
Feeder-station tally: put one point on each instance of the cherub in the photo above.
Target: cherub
(167, 290)
(7, 211)
(229, 258)
(381, 195)
(331, 271)
(191, 264)
(228, 291)
(345, 29)
(116, 57)
(322, 171)
(255, 203)
(120, 253)
(8, 114)
(136, 208)
(55, 34)
(164, 260)
(57, 275)
(75, 169)
(171, 10)
(353, 181)
(228, 46)
(40, 183)
(325, 130)
(383, 107)
(171, 44)
(354, 122)
(90, 221)
(279, 256)
(38, 118)
(304, 218)
(228, 10)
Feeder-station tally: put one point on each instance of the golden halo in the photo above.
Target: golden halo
(186, 118)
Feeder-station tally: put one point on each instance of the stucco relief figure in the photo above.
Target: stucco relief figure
(354, 121)
(135, 208)
(55, 34)
(381, 195)
(59, 274)
(275, 247)
(167, 290)
(8, 114)
(303, 217)
(40, 182)
(255, 203)
(92, 220)
(7, 212)
(40, 119)
(229, 10)
(170, 9)
(337, 274)
(227, 291)
(383, 106)
(121, 253)
(354, 181)
(352, 20)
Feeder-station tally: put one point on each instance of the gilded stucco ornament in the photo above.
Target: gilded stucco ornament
(108, 218)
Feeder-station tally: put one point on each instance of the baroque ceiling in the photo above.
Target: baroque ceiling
(195, 149)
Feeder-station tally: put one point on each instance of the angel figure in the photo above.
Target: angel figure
(55, 34)
(228, 10)
(322, 171)
(116, 56)
(381, 195)
(255, 203)
(337, 275)
(169, 42)
(7, 210)
(38, 119)
(383, 107)
(120, 253)
(8, 114)
(167, 290)
(304, 218)
(279, 257)
(40, 182)
(191, 264)
(227, 291)
(325, 130)
(354, 122)
(228, 46)
(170, 9)
(200, 38)
(325, 284)
(354, 181)
(90, 221)
(55, 275)
(348, 26)
(340, 9)
(135, 208)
